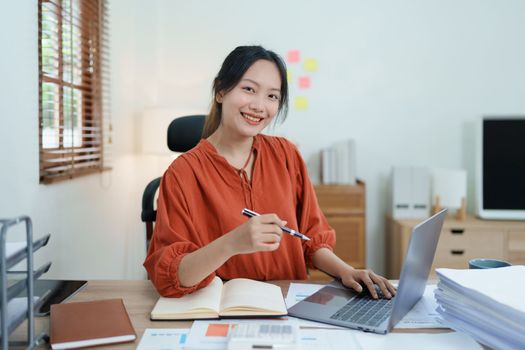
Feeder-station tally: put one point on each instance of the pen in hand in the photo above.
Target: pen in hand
(251, 213)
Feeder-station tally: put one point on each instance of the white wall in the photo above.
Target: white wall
(94, 221)
(406, 79)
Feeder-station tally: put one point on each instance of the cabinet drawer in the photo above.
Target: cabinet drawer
(516, 241)
(350, 239)
(455, 249)
(516, 247)
(341, 200)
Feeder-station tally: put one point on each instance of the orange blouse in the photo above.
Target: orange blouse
(201, 197)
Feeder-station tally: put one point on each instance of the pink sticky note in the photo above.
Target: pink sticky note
(293, 56)
(304, 82)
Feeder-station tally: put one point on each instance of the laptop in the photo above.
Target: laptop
(341, 306)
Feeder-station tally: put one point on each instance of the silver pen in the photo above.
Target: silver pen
(251, 213)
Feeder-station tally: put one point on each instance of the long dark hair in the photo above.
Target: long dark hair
(231, 72)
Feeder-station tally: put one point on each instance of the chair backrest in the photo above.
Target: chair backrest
(184, 133)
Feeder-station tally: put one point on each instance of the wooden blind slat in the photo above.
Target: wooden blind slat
(73, 150)
(85, 136)
(75, 165)
(84, 128)
(70, 159)
(88, 89)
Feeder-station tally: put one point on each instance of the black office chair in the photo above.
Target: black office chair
(184, 133)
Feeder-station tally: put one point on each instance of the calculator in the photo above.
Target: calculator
(252, 336)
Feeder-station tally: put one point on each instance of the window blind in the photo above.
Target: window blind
(74, 113)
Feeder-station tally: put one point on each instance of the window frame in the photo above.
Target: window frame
(85, 153)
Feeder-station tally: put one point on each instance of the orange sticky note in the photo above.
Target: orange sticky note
(218, 330)
(293, 56)
(304, 82)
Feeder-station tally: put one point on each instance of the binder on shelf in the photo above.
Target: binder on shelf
(420, 193)
(401, 192)
(410, 188)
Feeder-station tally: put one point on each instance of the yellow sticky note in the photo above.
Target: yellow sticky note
(289, 76)
(310, 65)
(301, 103)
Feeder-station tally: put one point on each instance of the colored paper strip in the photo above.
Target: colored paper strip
(217, 330)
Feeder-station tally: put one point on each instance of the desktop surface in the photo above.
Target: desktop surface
(139, 298)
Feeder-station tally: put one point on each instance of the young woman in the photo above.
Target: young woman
(200, 232)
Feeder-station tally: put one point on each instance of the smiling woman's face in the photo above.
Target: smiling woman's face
(253, 103)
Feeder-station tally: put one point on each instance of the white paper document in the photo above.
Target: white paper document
(329, 339)
(300, 291)
(163, 339)
(426, 341)
(422, 315)
(13, 247)
(16, 308)
(333, 339)
(213, 334)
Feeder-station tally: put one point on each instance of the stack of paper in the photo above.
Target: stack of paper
(487, 304)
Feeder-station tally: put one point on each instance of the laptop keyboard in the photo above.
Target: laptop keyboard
(365, 310)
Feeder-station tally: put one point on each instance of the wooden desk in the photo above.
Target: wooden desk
(139, 298)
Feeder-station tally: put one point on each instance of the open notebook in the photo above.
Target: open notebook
(236, 298)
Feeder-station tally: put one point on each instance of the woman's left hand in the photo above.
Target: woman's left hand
(354, 279)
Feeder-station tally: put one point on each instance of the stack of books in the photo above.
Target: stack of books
(487, 304)
(338, 163)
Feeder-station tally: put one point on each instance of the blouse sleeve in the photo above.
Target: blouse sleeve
(174, 236)
(311, 219)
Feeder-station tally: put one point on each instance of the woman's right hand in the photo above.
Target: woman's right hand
(259, 234)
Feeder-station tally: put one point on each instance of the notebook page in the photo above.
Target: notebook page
(249, 293)
(205, 298)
